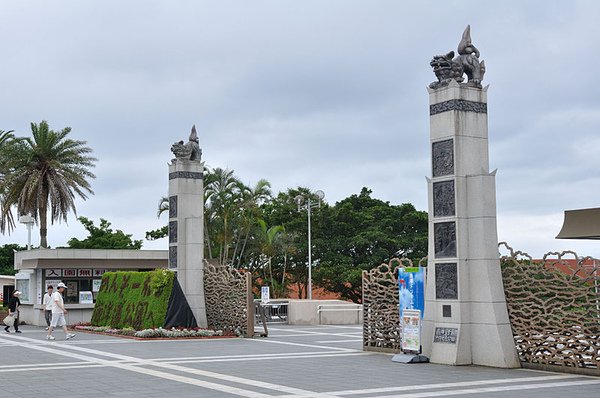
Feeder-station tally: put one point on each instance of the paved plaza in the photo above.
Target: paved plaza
(294, 361)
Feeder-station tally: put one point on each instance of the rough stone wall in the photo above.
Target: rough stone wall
(226, 296)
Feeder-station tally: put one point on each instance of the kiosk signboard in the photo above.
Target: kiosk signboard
(411, 287)
(264, 294)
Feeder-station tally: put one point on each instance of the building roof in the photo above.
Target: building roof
(581, 224)
(90, 258)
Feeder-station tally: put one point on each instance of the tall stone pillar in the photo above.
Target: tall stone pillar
(466, 320)
(186, 226)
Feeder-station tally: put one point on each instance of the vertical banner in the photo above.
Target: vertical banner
(411, 331)
(264, 294)
(411, 287)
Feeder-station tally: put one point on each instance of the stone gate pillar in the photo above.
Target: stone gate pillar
(466, 320)
(186, 226)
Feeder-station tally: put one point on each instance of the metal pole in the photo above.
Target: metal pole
(309, 254)
(29, 225)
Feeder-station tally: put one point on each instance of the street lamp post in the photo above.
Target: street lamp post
(309, 206)
(28, 221)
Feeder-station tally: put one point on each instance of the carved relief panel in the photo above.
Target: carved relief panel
(172, 257)
(444, 235)
(172, 231)
(443, 199)
(446, 281)
(442, 155)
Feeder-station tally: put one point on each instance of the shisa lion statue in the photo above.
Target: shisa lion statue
(190, 150)
(448, 68)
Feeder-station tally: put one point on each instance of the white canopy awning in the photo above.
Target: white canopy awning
(581, 224)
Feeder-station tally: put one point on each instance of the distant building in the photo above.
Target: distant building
(81, 270)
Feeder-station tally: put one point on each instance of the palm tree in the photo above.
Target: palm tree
(6, 221)
(252, 198)
(222, 192)
(163, 206)
(269, 245)
(6, 136)
(45, 173)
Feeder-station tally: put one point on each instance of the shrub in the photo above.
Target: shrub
(171, 333)
(133, 300)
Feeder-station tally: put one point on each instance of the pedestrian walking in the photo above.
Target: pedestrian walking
(47, 306)
(13, 310)
(58, 313)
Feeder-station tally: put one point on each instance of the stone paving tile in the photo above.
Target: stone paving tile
(320, 374)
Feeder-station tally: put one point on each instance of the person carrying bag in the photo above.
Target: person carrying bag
(13, 313)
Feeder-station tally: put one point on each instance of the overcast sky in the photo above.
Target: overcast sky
(325, 94)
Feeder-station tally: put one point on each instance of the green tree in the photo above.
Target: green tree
(103, 237)
(6, 221)
(231, 211)
(292, 263)
(362, 232)
(222, 204)
(44, 174)
(252, 198)
(7, 258)
(158, 233)
(269, 247)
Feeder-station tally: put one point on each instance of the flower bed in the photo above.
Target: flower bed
(153, 333)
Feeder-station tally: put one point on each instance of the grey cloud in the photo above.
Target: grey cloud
(325, 94)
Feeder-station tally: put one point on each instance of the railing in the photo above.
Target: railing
(274, 311)
(339, 307)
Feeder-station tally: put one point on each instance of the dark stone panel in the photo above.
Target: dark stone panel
(172, 231)
(447, 311)
(443, 199)
(446, 281)
(445, 335)
(444, 235)
(193, 175)
(172, 256)
(457, 105)
(442, 158)
(173, 206)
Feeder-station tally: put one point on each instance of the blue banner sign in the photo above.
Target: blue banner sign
(411, 284)
(411, 287)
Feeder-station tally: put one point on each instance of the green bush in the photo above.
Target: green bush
(135, 300)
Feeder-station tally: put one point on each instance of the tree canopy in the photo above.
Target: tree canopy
(361, 232)
(43, 174)
(7, 258)
(103, 237)
(249, 228)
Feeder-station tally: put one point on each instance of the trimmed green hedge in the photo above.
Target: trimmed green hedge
(133, 299)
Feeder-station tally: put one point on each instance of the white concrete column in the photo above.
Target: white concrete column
(186, 232)
(466, 320)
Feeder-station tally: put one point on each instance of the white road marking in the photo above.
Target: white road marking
(290, 354)
(482, 390)
(337, 341)
(305, 345)
(182, 360)
(271, 358)
(38, 364)
(343, 327)
(308, 333)
(447, 387)
(25, 342)
(49, 368)
(279, 336)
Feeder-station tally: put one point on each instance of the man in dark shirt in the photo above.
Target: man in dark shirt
(13, 309)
